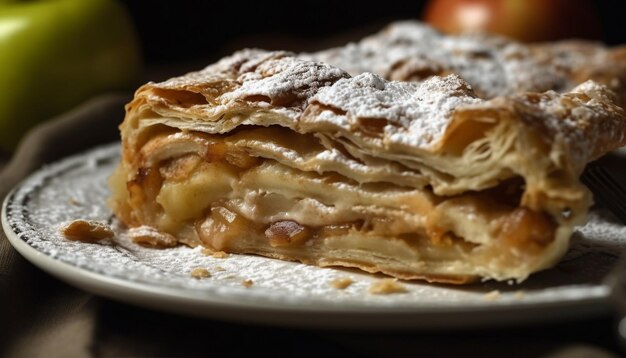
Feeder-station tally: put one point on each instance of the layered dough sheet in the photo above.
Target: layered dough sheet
(268, 153)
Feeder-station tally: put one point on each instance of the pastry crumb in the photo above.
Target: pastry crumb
(341, 283)
(213, 253)
(218, 268)
(200, 272)
(87, 231)
(220, 255)
(492, 296)
(73, 201)
(520, 295)
(247, 283)
(149, 236)
(387, 286)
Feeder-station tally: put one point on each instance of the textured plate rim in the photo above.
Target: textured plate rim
(194, 303)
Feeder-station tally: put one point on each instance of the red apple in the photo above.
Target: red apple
(523, 20)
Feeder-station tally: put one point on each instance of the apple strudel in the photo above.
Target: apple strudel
(266, 153)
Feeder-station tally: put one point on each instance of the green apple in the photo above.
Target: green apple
(54, 54)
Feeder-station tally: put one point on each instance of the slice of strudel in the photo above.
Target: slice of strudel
(265, 153)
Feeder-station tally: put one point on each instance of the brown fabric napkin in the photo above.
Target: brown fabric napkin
(32, 302)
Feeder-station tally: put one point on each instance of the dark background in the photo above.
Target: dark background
(195, 32)
(179, 31)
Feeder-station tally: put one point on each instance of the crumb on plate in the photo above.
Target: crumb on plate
(341, 283)
(87, 231)
(220, 255)
(215, 254)
(492, 296)
(247, 283)
(387, 286)
(200, 272)
(149, 236)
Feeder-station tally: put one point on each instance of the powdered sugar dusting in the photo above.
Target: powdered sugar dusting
(416, 113)
(37, 208)
(251, 83)
(285, 79)
(410, 50)
(277, 77)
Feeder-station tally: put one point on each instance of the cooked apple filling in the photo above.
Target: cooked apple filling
(212, 191)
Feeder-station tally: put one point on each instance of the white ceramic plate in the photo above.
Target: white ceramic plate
(282, 293)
